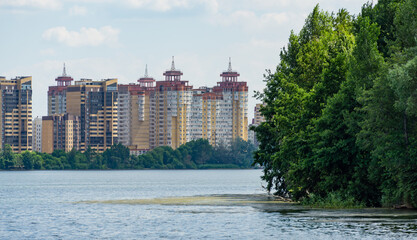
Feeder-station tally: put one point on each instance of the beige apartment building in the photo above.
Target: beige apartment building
(149, 113)
(173, 113)
(134, 110)
(16, 113)
(179, 114)
(92, 105)
(232, 107)
(60, 131)
(220, 113)
(170, 110)
(258, 118)
(57, 94)
(96, 104)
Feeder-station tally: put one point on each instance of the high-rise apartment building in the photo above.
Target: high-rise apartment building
(16, 113)
(37, 134)
(180, 114)
(219, 114)
(151, 113)
(256, 121)
(232, 109)
(174, 113)
(57, 94)
(204, 115)
(60, 131)
(96, 104)
(257, 117)
(134, 108)
(252, 136)
(93, 105)
(170, 110)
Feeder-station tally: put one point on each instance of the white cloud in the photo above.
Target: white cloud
(251, 21)
(45, 4)
(167, 5)
(85, 37)
(277, 18)
(77, 11)
(211, 5)
(157, 5)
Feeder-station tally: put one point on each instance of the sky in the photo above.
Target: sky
(100, 39)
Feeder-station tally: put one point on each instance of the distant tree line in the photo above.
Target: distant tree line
(198, 154)
(341, 109)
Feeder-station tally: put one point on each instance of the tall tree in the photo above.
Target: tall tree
(406, 24)
(8, 157)
(311, 70)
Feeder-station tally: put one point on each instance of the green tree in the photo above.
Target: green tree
(2, 163)
(242, 152)
(310, 72)
(37, 162)
(201, 151)
(71, 158)
(406, 24)
(403, 82)
(116, 156)
(383, 14)
(8, 157)
(338, 164)
(28, 160)
(18, 161)
(95, 160)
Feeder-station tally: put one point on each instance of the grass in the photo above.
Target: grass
(333, 200)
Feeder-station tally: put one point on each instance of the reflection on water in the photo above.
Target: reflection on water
(212, 204)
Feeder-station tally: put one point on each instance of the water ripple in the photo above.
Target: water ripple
(224, 204)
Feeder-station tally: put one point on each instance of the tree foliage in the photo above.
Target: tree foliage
(341, 108)
(192, 155)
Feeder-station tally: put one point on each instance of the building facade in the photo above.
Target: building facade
(16, 113)
(60, 131)
(173, 113)
(57, 94)
(134, 108)
(256, 121)
(92, 105)
(170, 110)
(37, 134)
(147, 114)
(95, 102)
(232, 108)
(258, 118)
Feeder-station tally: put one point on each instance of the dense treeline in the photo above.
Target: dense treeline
(192, 155)
(341, 109)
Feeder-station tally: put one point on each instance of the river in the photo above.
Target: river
(175, 204)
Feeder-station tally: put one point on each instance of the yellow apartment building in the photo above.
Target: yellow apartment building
(16, 120)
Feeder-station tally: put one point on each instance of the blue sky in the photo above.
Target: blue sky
(101, 39)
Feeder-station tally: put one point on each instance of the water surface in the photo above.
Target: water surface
(175, 204)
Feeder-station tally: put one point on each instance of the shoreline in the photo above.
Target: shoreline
(147, 169)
